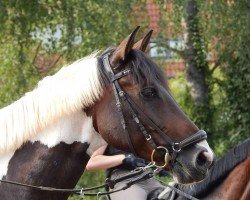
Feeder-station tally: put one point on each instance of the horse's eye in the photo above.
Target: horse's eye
(149, 93)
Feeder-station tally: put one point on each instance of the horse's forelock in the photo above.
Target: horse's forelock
(145, 71)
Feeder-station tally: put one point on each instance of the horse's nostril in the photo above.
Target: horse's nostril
(201, 159)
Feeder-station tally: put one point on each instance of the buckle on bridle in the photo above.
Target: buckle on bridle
(121, 93)
(148, 137)
(167, 156)
(176, 147)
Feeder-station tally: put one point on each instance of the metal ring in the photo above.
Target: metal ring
(174, 149)
(149, 137)
(81, 194)
(98, 195)
(166, 156)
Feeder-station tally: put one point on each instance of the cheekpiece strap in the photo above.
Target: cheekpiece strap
(118, 92)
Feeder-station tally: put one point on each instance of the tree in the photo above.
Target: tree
(71, 28)
(182, 20)
(228, 31)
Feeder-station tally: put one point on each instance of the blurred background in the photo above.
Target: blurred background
(202, 46)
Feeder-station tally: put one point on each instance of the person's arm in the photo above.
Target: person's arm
(99, 161)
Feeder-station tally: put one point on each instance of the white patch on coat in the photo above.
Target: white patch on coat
(72, 128)
(210, 155)
(4, 162)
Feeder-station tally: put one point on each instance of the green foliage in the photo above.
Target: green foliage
(180, 92)
(228, 29)
(71, 28)
(17, 75)
(90, 179)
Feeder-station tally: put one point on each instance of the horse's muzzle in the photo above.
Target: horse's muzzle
(192, 165)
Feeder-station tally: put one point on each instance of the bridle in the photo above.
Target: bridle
(173, 148)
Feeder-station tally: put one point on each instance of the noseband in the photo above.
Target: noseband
(173, 148)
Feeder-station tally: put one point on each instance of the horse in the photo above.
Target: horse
(228, 179)
(118, 96)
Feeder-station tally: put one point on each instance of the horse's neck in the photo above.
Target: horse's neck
(234, 186)
(56, 157)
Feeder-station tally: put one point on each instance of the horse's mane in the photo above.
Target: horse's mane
(220, 170)
(73, 88)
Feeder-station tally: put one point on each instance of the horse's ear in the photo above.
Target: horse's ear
(124, 48)
(143, 43)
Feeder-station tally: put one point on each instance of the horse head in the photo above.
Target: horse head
(138, 114)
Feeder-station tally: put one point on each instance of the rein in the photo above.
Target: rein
(173, 148)
(133, 177)
(109, 183)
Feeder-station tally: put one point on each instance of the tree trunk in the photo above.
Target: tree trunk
(197, 71)
(195, 57)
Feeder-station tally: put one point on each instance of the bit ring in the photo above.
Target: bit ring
(167, 157)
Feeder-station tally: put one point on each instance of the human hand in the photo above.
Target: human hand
(131, 161)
